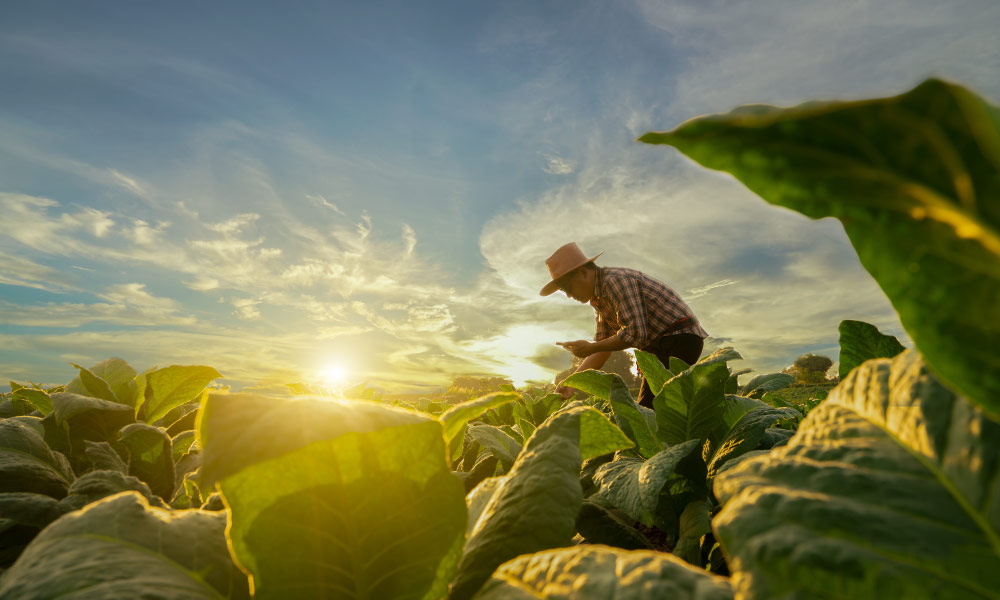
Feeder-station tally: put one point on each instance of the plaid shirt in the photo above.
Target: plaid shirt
(637, 307)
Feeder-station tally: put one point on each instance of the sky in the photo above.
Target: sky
(282, 189)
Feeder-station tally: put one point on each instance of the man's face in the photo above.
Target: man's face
(578, 285)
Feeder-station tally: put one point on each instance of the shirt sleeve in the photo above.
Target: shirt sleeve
(626, 294)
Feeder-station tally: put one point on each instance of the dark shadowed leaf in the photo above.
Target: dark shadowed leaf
(26, 462)
(150, 457)
(634, 486)
(123, 548)
(104, 457)
(97, 485)
(913, 178)
(860, 341)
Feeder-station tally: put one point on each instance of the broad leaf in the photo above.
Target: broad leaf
(634, 486)
(628, 415)
(477, 500)
(97, 485)
(695, 522)
(690, 406)
(22, 516)
(173, 386)
(913, 178)
(598, 525)
(182, 443)
(373, 479)
(747, 434)
(460, 414)
(104, 457)
(860, 341)
(719, 356)
(767, 383)
(653, 370)
(26, 462)
(124, 548)
(112, 380)
(497, 442)
(590, 572)
(87, 383)
(532, 509)
(888, 490)
(38, 399)
(735, 407)
(89, 418)
(150, 457)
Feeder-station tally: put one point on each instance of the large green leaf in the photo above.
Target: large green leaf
(22, 516)
(628, 415)
(173, 386)
(534, 508)
(913, 179)
(860, 341)
(89, 418)
(691, 405)
(334, 498)
(747, 434)
(26, 462)
(37, 398)
(888, 490)
(653, 370)
(634, 486)
(123, 548)
(497, 442)
(100, 484)
(767, 383)
(150, 457)
(112, 380)
(590, 572)
(460, 414)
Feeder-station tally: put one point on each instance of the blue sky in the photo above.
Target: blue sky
(273, 189)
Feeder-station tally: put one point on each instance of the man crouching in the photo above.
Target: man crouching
(632, 310)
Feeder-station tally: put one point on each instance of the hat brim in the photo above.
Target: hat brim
(551, 287)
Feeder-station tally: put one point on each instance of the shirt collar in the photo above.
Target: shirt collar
(598, 287)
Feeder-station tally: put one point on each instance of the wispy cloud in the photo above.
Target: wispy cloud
(125, 305)
(557, 165)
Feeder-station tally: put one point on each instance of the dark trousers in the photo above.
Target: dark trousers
(685, 346)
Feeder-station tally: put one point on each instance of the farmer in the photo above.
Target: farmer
(632, 309)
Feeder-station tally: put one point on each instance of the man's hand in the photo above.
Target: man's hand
(579, 348)
(565, 392)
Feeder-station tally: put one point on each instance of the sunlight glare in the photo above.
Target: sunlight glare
(333, 374)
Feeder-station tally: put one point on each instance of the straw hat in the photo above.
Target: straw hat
(562, 261)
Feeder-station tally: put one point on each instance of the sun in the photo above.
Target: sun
(333, 374)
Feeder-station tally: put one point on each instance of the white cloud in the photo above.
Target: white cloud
(321, 201)
(129, 183)
(246, 308)
(17, 270)
(556, 165)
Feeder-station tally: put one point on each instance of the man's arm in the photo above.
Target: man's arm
(586, 348)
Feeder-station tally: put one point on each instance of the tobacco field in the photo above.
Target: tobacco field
(123, 484)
